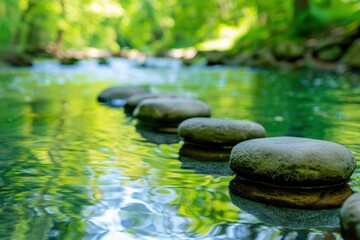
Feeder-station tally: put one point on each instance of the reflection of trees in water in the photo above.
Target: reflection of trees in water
(36, 201)
(298, 103)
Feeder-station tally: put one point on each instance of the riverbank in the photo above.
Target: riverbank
(337, 50)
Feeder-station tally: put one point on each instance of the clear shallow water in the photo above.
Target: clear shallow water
(71, 168)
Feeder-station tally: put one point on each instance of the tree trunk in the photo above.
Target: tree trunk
(60, 32)
(302, 17)
(17, 37)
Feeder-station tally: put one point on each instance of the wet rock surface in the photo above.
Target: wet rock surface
(159, 111)
(220, 132)
(118, 95)
(134, 100)
(293, 162)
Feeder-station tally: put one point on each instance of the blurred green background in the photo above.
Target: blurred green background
(283, 30)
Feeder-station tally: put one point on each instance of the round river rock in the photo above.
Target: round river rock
(221, 132)
(134, 100)
(350, 217)
(170, 110)
(293, 162)
(119, 92)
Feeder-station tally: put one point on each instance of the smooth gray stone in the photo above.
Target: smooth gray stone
(350, 217)
(220, 132)
(134, 100)
(170, 110)
(119, 92)
(293, 162)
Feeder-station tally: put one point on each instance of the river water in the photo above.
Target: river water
(71, 168)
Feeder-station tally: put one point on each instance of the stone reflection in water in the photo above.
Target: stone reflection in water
(322, 209)
(302, 198)
(157, 137)
(293, 221)
(209, 168)
(205, 160)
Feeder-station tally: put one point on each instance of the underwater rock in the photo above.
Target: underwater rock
(287, 217)
(161, 113)
(293, 162)
(134, 100)
(208, 132)
(314, 198)
(350, 217)
(205, 154)
(117, 96)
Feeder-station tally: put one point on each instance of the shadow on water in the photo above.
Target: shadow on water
(157, 137)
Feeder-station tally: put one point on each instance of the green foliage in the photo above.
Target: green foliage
(157, 25)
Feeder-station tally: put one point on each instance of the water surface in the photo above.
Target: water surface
(71, 168)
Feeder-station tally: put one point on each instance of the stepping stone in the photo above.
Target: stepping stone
(350, 217)
(134, 100)
(167, 113)
(117, 96)
(210, 132)
(293, 162)
(211, 139)
(313, 198)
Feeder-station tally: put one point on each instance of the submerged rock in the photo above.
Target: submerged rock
(169, 112)
(134, 100)
(293, 162)
(117, 96)
(350, 217)
(208, 132)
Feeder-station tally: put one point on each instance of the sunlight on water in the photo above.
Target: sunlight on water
(71, 168)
